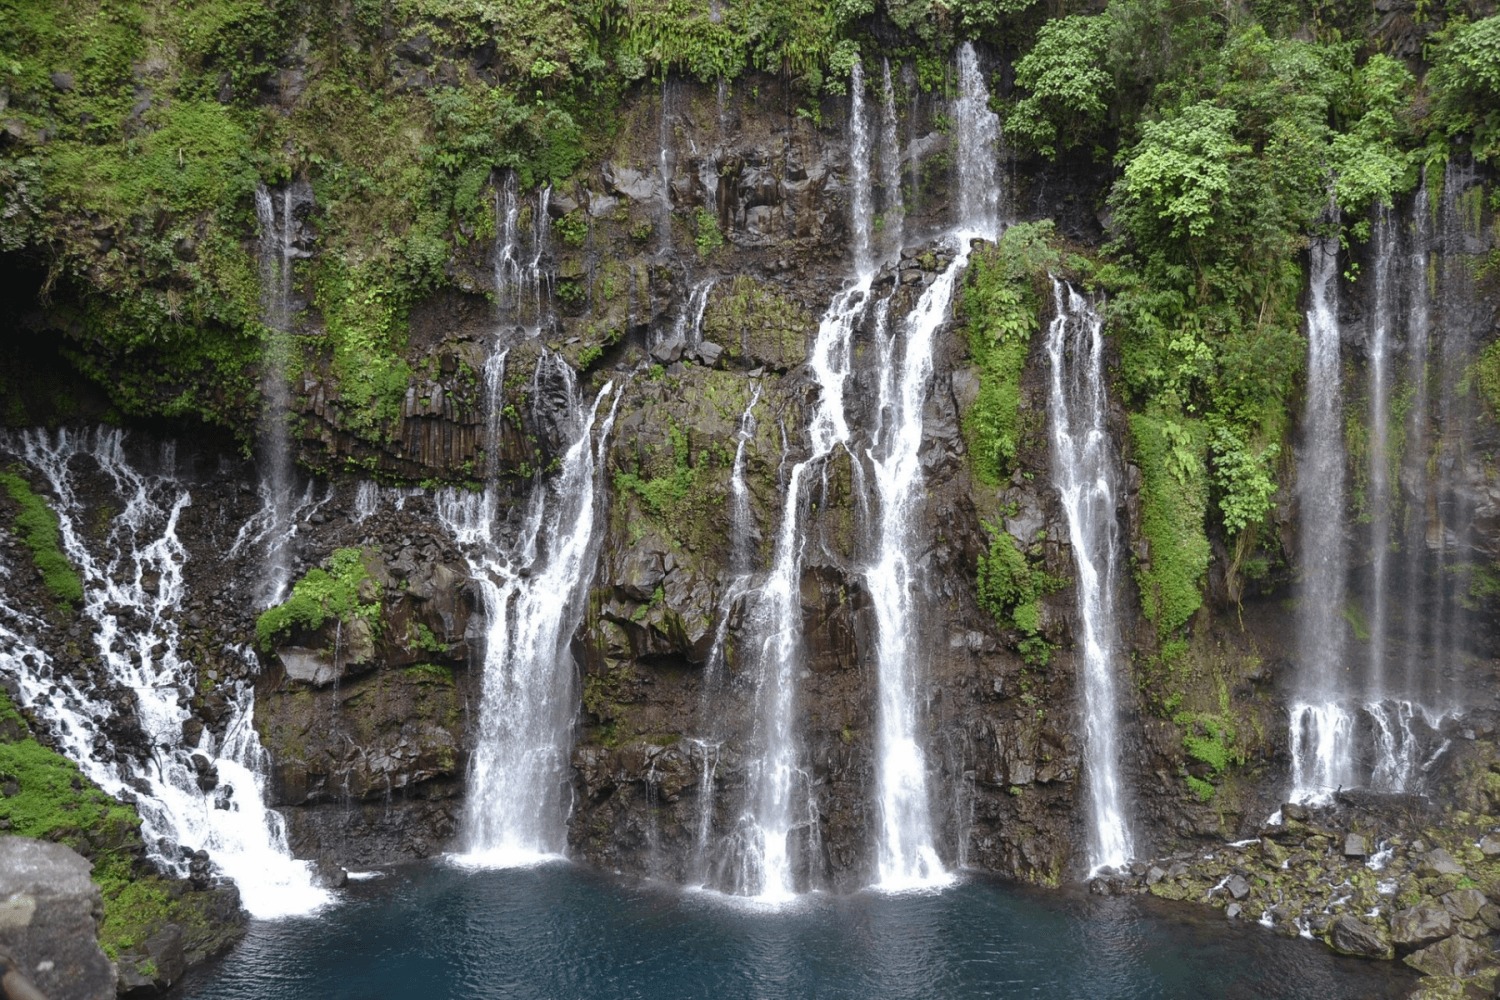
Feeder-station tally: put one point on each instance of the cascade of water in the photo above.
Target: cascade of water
(687, 330)
(133, 588)
(664, 168)
(978, 132)
(521, 281)
(906, 855)
(516, 808)
(1379, 493)
(276, 253)
(760, 861)
(861, 201)
(1322, 726)
(1415, 481)
(892, 212)
(366, 500)
(1083, 471)
(509, 279)
(1450, 533)
(741, 533)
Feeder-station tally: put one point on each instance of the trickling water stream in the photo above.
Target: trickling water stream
(1083, 470)
(133, 593)
(277, 253)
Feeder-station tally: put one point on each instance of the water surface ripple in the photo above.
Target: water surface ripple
(557, 931)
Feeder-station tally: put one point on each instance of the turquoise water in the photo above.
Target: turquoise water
(555, 932)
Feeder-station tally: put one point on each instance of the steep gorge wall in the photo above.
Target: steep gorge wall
(370, 732)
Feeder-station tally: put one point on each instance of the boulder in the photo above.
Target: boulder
(1489, 846)
(1238, 887)
(1439, 862)
(1419, 925)
(1355, 846)
(1454, 956)
(1354, 937)
(49, 920)
(1463, 903)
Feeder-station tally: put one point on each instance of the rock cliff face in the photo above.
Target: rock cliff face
(694, 274)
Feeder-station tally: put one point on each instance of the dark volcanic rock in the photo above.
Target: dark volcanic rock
(49, 920)
(1355, 937)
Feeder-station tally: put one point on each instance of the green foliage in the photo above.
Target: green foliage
(1203, 789)
(1243, 479)
(1209, 739)
(1069, 85)
(1177, 177)
(1010, 588)
(426, 642)
(707, 236)
(45, 796)
(1000, 307)
(1174, 497)
(573, 228)
(1465, 83)
(661, 494)
(1485, 374)
(429, 673)
(37, 527)
(322, 595)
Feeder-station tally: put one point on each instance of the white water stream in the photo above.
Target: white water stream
(1083, 470)
(1322, 725)
(518, 790)
(133, 593)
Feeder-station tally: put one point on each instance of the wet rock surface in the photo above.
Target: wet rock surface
(49, 920)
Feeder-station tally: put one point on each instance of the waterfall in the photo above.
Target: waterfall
(978, 131)
(277, 251)
(742, 534)
(1084, 473)
(861, 201)
(1415, 479)
(1369, 720)
(687, 330)
(1450, 530)
(133, 592)
(906, 856)
(1378, 494)
(521, 280)
(892, 212)
(1322, 727)
(533, 589)
(780, 798)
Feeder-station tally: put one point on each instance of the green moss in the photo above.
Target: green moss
(426, 642)
(37, 527)
(707, 236)
(46, 797)
(43, 795)
(1203, 789)
(1174, 499)
(1001, 303)
(430, 673)
(1010, 588)
(322, 595)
